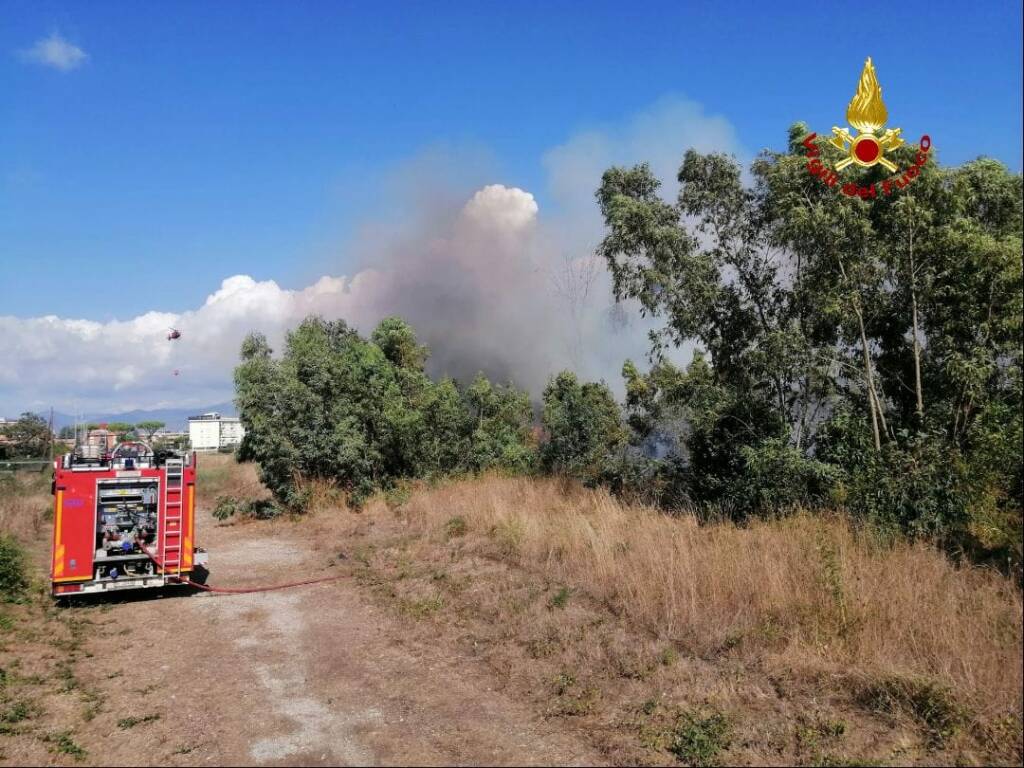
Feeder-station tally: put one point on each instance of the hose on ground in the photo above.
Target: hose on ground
(251, 590)
(235, 590)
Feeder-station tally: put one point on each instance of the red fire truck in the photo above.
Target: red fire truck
(123, 519)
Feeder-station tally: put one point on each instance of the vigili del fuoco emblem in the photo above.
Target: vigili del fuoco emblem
(867, 114)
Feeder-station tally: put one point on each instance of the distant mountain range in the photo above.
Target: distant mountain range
(176, 419)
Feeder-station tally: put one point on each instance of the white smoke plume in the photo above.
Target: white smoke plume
(488, 289)
(490, 282)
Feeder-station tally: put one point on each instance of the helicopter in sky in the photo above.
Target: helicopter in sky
(172, 334)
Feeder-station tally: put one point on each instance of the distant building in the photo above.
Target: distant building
(211, 431)
(101, 438)
(168, 434)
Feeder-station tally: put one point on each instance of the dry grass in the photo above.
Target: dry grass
(802, 640)
(794, 641)
(42, 702)
(220, 475)
(26, 505)
(808, 593)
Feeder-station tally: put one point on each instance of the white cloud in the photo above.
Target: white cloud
(130, 363)
(507, 209)
(490, 282)
(56, 52)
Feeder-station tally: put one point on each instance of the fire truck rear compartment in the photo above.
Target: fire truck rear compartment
(123, 520)
(126, 519)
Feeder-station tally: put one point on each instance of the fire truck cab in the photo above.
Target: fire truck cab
(123, 519)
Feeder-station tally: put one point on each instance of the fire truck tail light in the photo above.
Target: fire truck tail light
(65, 588)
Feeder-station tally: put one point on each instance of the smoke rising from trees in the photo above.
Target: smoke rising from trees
(490, 288)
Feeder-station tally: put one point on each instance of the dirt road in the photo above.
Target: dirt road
(312, 675)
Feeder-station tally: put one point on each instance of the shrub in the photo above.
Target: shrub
(584, 427)
(933, 705)
(257, 509)
(396, 497)
(226, 507)
(509, 534)
(778, 476)
(262, 509)
(698, 740)
(13, 578)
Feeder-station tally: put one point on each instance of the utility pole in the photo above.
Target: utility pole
(51, 434)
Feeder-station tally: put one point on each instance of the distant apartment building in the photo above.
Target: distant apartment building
(211, 431)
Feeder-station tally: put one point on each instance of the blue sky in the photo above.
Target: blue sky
(199, 140)
(149, 151)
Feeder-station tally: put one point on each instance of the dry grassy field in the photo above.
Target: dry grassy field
(813, 640)
(809, 592)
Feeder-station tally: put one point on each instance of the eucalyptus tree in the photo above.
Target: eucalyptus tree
(879, 333)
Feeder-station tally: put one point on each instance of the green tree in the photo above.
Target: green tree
(30, 436)
(397, 340)
(499, 419)
(584, 427)
(122, 429)
(149, 428)
(880, 337)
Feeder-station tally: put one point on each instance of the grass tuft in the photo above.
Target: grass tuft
(130, 722)
(62, 743)
(561, 598)
(933, 705)
(455, 527)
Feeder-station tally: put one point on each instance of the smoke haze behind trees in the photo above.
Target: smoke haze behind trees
(490, 289)
(495, 283)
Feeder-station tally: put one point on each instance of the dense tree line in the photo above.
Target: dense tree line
(30, 435)
(854, 353)
(363, 413)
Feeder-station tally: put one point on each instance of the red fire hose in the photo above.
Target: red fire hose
(237, 590)
(251, 590)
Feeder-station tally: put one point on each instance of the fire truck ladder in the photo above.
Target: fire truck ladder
(170, 539)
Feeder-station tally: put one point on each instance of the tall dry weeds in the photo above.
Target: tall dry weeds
(220, 474)
(26, 505)
(806, 593)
